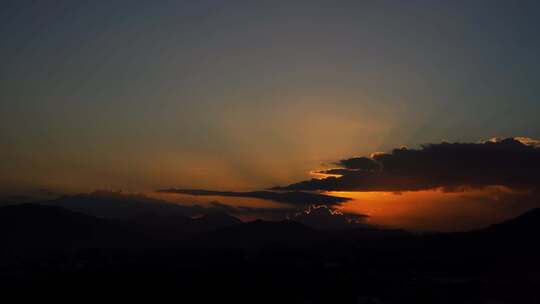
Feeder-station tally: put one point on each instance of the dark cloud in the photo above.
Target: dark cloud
(512, 162)
(294, 198)
(360, 163)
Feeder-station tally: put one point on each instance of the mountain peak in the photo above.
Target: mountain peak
(219, 219)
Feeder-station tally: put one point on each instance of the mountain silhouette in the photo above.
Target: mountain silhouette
(261, 232)
(527, 222)
(178, 255)
(34, 226)
(219, 219)
(178, 227)
(514, 236)
(110, 204)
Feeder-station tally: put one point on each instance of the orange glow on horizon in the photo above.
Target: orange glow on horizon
(430, 210)
(425, 210)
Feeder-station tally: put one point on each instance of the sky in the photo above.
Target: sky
(247, 95)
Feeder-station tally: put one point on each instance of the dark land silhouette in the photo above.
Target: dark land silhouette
(48, 249)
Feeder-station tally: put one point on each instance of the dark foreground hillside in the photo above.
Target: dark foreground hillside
(53, 252)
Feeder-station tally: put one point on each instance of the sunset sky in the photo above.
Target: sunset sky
(249, 95)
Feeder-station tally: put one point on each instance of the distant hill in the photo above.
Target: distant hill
(529, 222)
(515, 235)
(516, 238)
(45, 246)
(218, 219)
(27, 227)
(51, 226)
(121, 205)
(178, 227)
(34, 226)
(261, 232)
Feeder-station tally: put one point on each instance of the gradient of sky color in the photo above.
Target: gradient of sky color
(141, 95)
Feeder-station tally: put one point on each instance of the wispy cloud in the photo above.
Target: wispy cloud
(298, 199)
